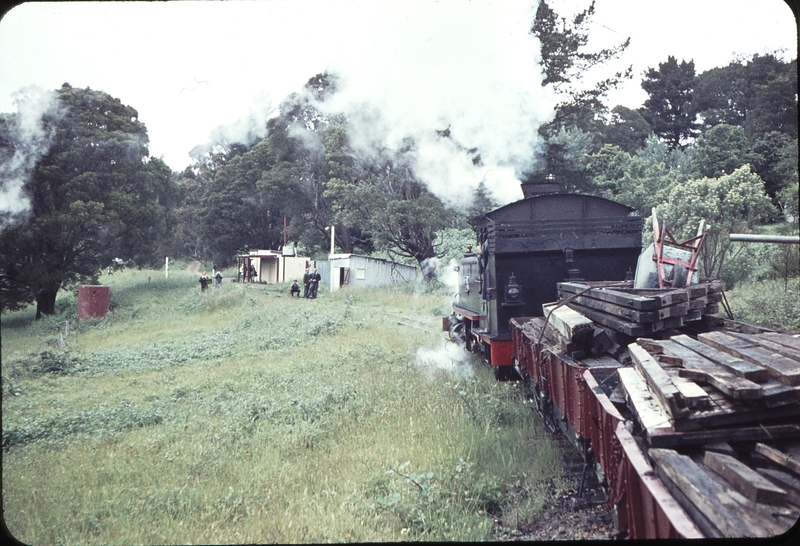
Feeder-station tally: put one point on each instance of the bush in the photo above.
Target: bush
(769, 303)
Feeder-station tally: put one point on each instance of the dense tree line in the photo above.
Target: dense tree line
(306, 172)
(720, 145)
(94, 194)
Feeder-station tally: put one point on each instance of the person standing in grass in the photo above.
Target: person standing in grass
(305, 283)
(218, 278)
(313, 283)
(203, 282)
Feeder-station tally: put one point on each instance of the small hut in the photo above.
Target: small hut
(354, 270)
(270, 266)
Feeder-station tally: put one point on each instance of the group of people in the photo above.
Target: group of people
(310, 285)
(204, 280)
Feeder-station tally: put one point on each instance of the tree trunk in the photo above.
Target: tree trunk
(344, 240)
(46, 301)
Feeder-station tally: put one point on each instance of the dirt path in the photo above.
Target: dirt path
(193, 267)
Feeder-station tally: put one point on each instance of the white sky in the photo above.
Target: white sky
(188, 67)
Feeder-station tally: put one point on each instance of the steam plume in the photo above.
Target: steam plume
(442, 77)
(29, 139)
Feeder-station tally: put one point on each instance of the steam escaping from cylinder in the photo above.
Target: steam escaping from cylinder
(448, 358)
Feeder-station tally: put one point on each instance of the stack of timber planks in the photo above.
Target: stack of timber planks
(715, 404)
(640, 312)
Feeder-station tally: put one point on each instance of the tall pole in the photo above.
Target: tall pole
(333, 231)
(166, 267)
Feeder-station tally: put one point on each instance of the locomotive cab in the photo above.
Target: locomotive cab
(524, 249)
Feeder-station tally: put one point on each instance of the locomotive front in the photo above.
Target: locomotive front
(524, 249)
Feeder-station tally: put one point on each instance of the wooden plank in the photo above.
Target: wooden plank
(767, 343)
(667, 323)
(725, 412)
(786, 461)
(536, 328)
(736, 366)
(632, 301)
(633, 315)
(698, 303)
(693, 314)
(773, 519)
(784, 480)
(714, 286)
(698, 368)
(650, 345)
(783, 369)
(659, 382)
(571, 324)
(645, 406)
(746, 480)
(744, 327)
(735, 387)
(661, 297)
(787, 340)
(697, 291)
(662, 437)
(694, 395)
(669, 361)
(704, 524)
(705, 494)
(615, 323)
(601, 341)
(775, 393)
(604, 361)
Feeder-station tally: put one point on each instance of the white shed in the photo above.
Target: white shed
(271, 266)
(354, 270)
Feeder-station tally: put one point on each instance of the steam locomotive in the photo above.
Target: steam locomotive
(524, 249)
(535, 251)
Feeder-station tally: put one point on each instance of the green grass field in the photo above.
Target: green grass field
(245, 416)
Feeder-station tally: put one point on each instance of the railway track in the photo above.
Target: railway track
(572, 512)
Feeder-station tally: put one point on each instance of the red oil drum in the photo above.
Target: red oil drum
(93, 301)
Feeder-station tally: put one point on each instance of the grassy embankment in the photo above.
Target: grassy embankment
(242, 415)
(773, 303)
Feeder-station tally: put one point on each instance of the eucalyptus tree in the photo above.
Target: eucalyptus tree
(94, 194)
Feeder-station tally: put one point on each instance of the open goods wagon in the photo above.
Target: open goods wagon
(691, 423)
(692, 429)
